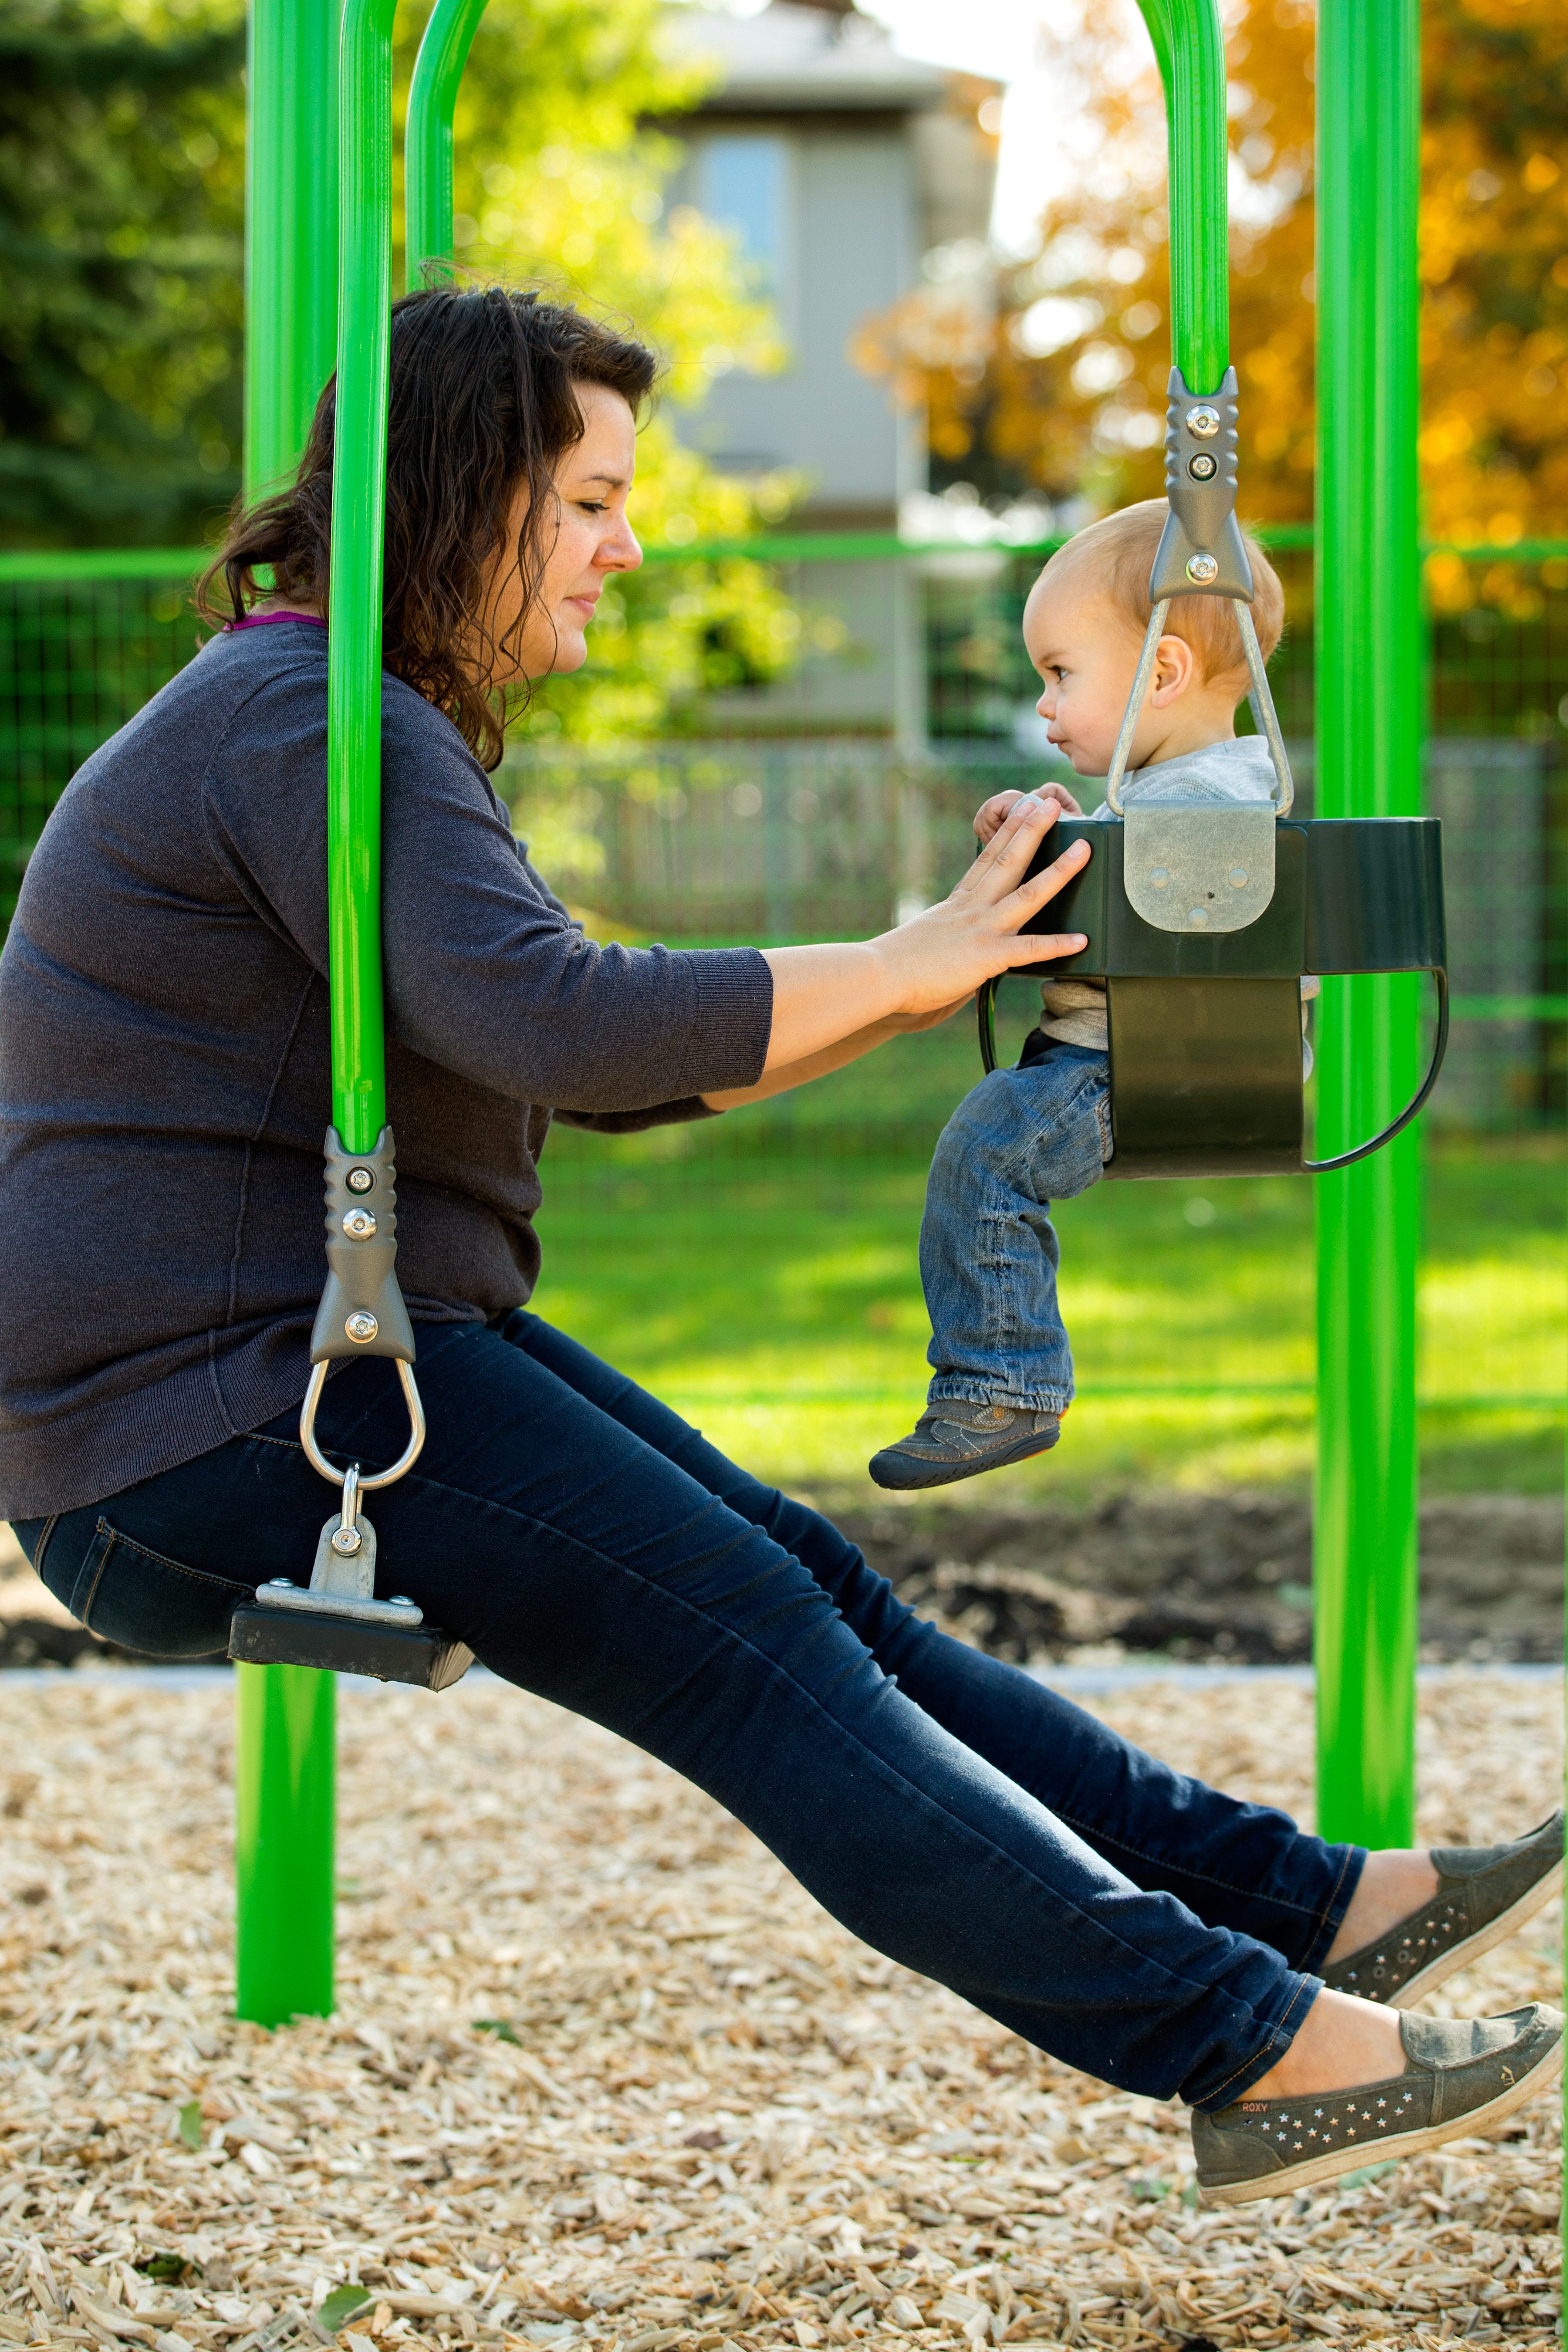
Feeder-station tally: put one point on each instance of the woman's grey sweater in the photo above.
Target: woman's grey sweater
(165, 1063)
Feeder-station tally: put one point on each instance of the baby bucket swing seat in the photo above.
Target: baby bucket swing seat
(1201, 918)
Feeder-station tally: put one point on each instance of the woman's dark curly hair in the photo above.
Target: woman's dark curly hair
(482, 407)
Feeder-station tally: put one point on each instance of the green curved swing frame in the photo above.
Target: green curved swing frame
(305, 203)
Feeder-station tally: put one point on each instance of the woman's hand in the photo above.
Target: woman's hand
(972, 935)
(822, 994)
(992, 815)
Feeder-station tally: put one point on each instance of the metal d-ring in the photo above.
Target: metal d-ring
(405, 1460)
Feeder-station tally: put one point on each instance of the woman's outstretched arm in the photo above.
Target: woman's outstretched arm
(780, 1076)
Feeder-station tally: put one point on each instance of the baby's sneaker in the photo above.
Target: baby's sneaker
(954, 1440)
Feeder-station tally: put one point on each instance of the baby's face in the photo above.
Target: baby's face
(1087, 657)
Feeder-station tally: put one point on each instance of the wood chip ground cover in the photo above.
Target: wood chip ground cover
(603, 2076)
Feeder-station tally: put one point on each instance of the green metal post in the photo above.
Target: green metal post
(285, 1840)
(285, 1735)
(1369, 721)
(290, 209)
(1189, 44)
(427, 141)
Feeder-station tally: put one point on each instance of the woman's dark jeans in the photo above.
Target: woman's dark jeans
(590, 1545)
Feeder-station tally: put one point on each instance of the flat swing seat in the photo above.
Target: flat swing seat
(421, 1654)
(1205, 1023)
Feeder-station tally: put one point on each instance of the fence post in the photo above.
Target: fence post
(285, 1716)
(1368, 764)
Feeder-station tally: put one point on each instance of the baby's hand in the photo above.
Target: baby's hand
(990, 818)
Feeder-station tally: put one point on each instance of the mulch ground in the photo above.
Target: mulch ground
(602, 2075)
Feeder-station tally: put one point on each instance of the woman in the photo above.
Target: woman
(163, 1089)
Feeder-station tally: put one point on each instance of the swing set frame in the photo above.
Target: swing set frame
(319, 247)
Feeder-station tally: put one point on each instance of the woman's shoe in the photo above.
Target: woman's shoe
(1484, 1893)
(1461, 2075)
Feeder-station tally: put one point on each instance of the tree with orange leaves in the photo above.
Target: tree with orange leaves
(1064, 390)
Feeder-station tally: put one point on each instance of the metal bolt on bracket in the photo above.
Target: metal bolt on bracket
(1237, 878)
(360, 1226)
(1203, 468)
(1204, 421)
(360, 1180)
(1160, 875)
(362, 1327)
(1202, 570)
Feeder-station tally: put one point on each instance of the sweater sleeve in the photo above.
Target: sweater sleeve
(485, 973)
(633, 1122)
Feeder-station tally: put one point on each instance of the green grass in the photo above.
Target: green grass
(760, 1274)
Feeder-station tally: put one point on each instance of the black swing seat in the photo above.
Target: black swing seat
(1205, 1027)
(421, 1654)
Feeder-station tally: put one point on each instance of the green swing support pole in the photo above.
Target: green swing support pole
(1368, 737)
(285, 1716)
(1369, 724)
(1189, 46)
(428, 141)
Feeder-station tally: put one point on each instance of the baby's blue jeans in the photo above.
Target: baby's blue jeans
(1024, 1138)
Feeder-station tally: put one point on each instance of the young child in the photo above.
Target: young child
(1042, 1131)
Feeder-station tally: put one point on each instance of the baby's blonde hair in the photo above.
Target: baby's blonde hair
(1117, 552)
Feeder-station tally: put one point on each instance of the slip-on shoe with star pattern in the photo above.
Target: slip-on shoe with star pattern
(1484, 1893)
(1462, 2074)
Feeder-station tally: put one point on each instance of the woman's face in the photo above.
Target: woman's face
(592, 537)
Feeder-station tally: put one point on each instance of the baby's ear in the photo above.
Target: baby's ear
(1175, 667)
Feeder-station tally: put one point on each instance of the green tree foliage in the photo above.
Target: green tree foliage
(121, 205)
(121, 191)
(560, 183)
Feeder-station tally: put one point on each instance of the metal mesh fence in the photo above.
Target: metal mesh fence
(79, 656)
(762, 1267)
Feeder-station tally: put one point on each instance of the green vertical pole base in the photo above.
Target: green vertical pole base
(1366, 1507)
(285, 1840)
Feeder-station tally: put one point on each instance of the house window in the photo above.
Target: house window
(744, 186)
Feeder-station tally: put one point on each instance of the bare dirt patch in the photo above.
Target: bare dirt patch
(1208, 1577)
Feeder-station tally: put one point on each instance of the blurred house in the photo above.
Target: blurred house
(839, 166)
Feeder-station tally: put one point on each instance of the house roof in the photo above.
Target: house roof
(805, 59)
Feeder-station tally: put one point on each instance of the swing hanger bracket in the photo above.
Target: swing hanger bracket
(342, 1580)
(361, 1312)
(1201, 551)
